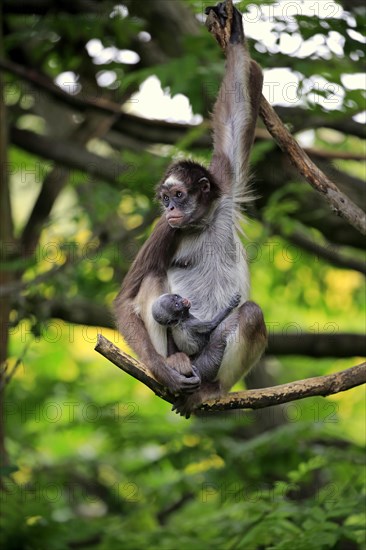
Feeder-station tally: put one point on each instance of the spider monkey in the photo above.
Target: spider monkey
(195, 250)
(171, 310)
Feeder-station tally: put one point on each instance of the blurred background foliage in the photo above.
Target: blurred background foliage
(91, 458)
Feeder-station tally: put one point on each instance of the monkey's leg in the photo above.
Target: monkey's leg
(244, 346)
(234, 348)
(207, 364)
(181, 363)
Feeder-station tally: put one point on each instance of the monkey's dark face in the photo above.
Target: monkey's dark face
(186, 193)
(170, 309)
(176, 306)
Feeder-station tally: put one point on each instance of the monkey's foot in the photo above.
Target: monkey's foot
(184, 405)
(180, 363)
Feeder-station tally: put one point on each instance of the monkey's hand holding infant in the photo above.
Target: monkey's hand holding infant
(181, 363)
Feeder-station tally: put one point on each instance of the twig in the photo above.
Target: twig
(337, 200)
(43, 82)
(5, 378)
(15, 287)
(250, 399)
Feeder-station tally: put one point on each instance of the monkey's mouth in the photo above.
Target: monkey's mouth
(186, 303)
(174, 220)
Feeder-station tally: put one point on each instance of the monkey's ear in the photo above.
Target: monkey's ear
(158, 193)
(204, 184)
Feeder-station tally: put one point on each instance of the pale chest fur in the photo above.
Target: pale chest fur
(184, 340)
(209, 267)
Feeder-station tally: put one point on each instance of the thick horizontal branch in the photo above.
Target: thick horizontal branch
(43, 7)
(84, 312)
(303, 119)
(156, 131)
(250, 399)
(43, 82)
(328, 251)
(338, 201)
(75, 156)
(160, 131)
(333, 155)
(70, 154)
(339, 344)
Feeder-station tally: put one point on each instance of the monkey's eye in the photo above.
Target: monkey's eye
(179, 194)
(165, 199)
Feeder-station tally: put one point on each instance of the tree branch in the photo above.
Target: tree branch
(43, 7)
(131, 366)
(302, 119)
(82, 311)
(333, 155)
(43, 82)
(327, 251)
(93, 127)
(250, 399)
(318, 345)
(313, 210)
(156, 131)
(338, 202)
(75, 156)
(69, 153)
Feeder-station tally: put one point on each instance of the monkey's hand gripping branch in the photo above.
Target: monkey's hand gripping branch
(250, 399)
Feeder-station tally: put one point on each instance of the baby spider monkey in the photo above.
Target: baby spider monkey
(172, 311)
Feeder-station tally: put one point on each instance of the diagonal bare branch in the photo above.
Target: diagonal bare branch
(250, 399)
(338, 201)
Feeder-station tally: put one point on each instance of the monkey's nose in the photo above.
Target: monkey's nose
(186, 303)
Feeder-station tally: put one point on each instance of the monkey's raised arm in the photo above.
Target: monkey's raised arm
(174, 257)
(236, 108)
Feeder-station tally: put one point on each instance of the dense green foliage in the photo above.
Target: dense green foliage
(100, 457)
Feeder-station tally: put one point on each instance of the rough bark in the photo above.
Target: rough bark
(250, 399)
(338, 201)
